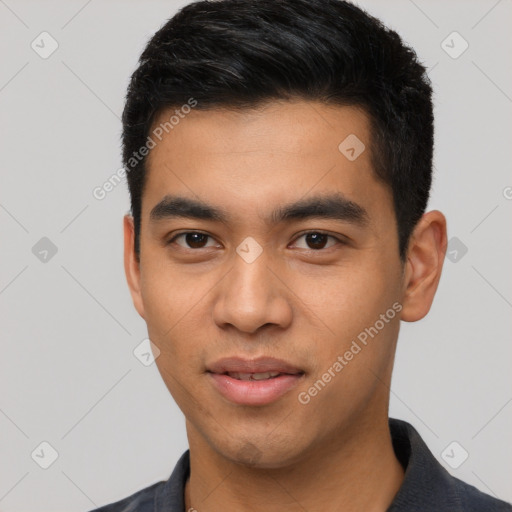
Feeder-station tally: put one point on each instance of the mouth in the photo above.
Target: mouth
(253, 382)
(260, 366)
(257, 376)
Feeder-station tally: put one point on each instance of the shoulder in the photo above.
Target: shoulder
(428, 484)
(164, 495)
(474, 500)
(141, 501)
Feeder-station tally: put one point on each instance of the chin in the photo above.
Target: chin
(261, 455)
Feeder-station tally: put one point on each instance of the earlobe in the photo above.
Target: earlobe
(425, 258)
(131, 265)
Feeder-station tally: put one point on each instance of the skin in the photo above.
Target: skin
(301, 304)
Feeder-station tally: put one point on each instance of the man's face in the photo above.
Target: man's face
(286, 294)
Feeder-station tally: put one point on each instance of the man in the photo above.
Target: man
(279, 157)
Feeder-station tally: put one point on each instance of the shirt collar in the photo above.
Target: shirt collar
(425, 480)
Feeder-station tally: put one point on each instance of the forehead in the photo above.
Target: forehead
(300, 127)
(252, 158)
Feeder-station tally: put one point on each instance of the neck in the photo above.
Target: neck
(358, 472)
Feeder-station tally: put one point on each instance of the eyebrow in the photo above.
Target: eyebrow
(333, 206)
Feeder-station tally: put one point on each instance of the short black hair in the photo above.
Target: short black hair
(240, 54)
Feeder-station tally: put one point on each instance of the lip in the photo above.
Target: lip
(258, 365)
(253, 392)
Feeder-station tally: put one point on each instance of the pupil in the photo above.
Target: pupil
(195, 240)
(316, 240)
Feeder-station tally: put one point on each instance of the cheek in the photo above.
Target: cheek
(348, 295)
(177, 305)
(344, 307)
(167, 293)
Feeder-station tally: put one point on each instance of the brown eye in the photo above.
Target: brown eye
(316, 240)
(196, 240)
(193, 240)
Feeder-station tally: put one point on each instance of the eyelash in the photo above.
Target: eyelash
(316, 232)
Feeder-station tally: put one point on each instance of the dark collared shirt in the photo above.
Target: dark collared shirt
(427, 486)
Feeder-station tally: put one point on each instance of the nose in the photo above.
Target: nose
(251, 296)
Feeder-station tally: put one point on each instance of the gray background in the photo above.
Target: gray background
(68, 375)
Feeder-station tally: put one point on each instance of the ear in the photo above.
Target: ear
(425, 258)
(131, 265)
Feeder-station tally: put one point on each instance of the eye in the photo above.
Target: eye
(316, 240)
(193, 240)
